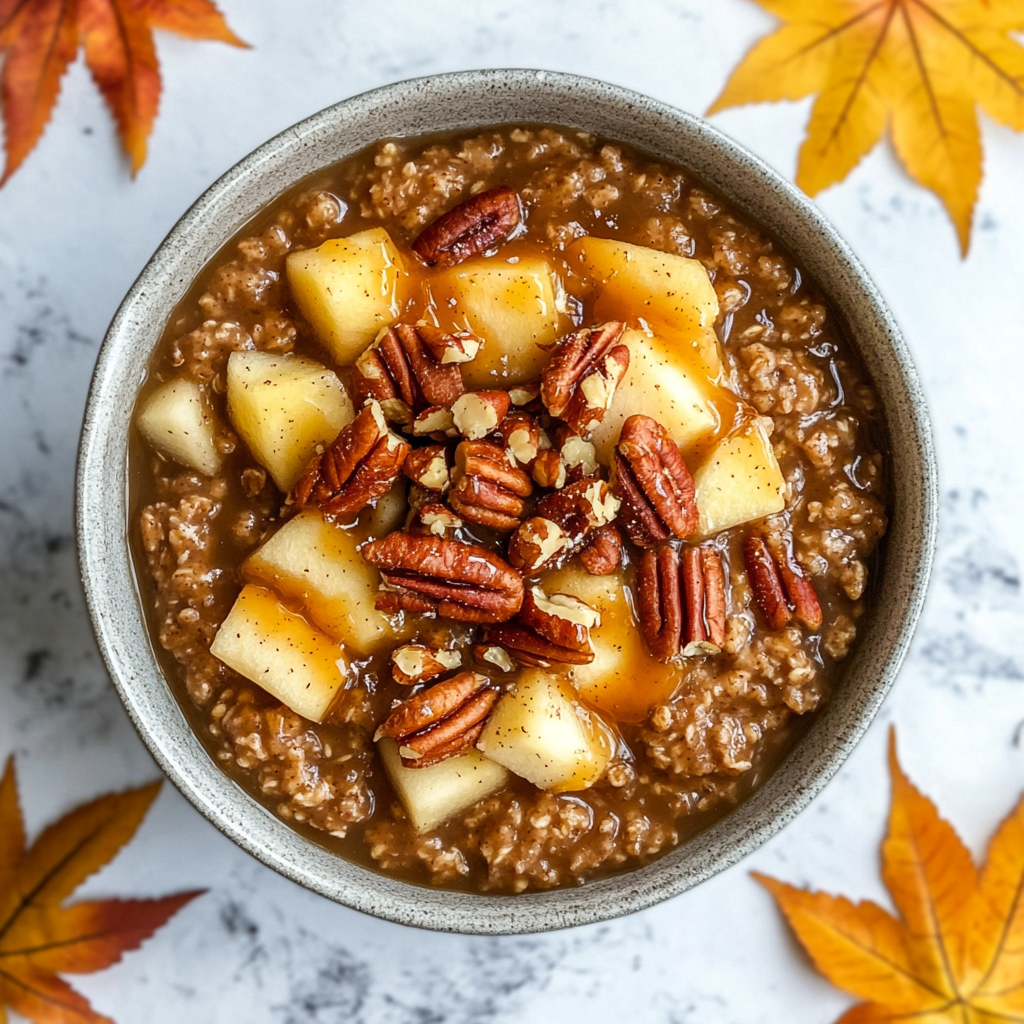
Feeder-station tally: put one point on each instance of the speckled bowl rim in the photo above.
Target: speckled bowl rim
(454, 102)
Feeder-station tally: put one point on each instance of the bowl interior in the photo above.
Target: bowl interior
(449, 103)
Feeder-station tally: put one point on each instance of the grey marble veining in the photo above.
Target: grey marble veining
(74, 231)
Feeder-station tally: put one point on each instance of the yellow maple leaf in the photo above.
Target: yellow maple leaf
(955, 952)
(920, 67)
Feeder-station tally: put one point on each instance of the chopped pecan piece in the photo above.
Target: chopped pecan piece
(477, 224)
(565, 520)
(458, 581)
(402, 373)
(578, 454)
(361, 464)
(536, 543)
(477, 413)
(651, 478)
(681, 602)
(412, 664)
(428, 467)
(520, 433)
(603, 552)
(547, 629)
(494, 655)
(549, 470)
(779, 585)
(460, 347)
(435, 422)
(486, 487)
(431, 518)
(441, 722)
(580, 379)
(523, 395)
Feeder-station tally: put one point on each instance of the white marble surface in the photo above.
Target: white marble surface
(74, 231)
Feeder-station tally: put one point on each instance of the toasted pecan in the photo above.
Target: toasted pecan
(360, 465)
(579, 381)
(651, 478)
(440, 722)
(477, 224)
(486, 487)
(458, 581)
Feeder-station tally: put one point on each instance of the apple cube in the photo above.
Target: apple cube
(348, 289)
(177, 421)
(663, 387)
(673, 294)
(613, 682)
(434, 794)
(543, 733)
(317, 566)
(512, 307)
(284, 407)
(280, 651)
(739, 480)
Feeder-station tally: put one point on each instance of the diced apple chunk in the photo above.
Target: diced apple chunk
(739, 480)
(622, 680)
(177, 421)
(660, 386)
(283, 407)
(348, 289)
(280, 651)
(543, 733)
(317, 566)
(512, 307)
(673, 294)
(434, 794)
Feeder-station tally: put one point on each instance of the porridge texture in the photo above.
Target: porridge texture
(613, 482)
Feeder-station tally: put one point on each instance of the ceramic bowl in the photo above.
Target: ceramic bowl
(464, 101)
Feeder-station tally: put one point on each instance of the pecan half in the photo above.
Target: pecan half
(402, 373)
(458, 581)
(659, 601)
(361, 464)
(428, 467)
(779, 585)
(412, 664)
(441, 722)
(603, 552)
(477, 413)
(486, 487)
(565, 520)
(681, 602)
(650, 476)
(474, 226)
(546, 630)
(580, 379)
(703, 601)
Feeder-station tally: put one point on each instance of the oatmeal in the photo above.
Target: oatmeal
(503, 504)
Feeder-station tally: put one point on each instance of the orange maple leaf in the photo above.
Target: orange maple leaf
(955, 952)
(920, 67)
(40, 938)
(40, 38)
